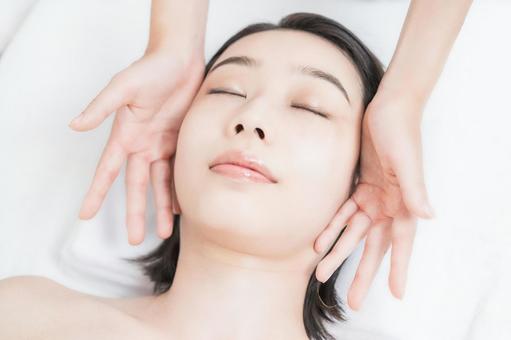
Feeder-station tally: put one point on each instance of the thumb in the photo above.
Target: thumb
(107, 101)
(407, 165)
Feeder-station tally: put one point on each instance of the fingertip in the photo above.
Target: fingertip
(165, 231)
(85, 121)
(397, 292)
(428, 210)
(319, 277)
(73, 126)
(324, 276)
(78, 119)
(135, 240)
(79, 127)
(318, 247)
(135, 230)
(84, 214)
(86, 210)
(353, 305)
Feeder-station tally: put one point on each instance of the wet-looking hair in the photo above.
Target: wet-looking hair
(160, 264)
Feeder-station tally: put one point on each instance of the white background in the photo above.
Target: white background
(57, 55)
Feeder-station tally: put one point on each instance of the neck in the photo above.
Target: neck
(218, 293)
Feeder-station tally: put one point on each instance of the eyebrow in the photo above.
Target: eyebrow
(306, 70)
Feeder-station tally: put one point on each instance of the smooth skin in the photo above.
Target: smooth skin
(391, 192)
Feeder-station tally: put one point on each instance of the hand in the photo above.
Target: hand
(389, 195)
(150, 98)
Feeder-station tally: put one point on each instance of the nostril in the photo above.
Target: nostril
(260, 133)
(239, 127)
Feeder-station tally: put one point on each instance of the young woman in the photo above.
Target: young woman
(267, 152)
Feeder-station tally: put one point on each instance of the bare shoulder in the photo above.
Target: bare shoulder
(14, 281)
(35, 292)
(36, 307)
(30, 286)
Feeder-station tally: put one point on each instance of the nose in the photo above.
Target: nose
(255, 119)
(257, 130)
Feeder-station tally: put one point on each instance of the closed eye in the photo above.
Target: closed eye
(213, 91)
(297, 106)
(306, 108)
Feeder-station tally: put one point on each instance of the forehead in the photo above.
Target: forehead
(284, 50)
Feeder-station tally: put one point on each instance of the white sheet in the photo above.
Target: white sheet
(66, 51)
(12, 14)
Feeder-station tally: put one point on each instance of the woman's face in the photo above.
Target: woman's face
(311, 157)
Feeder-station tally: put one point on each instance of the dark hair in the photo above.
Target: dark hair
(160, 264)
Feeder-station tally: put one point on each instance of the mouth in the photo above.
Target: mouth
(240, 172)
(240, 165)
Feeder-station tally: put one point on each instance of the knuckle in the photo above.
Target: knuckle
(373, 239)
(402, 233)
(110, 174)
(136, 184)
(360, 220)
(122, 84)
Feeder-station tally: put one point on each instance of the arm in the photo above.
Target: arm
(178, 22)
(427, 36)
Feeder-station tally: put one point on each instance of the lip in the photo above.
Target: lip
(235, 163)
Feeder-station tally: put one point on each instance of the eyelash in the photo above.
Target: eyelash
(297, 106)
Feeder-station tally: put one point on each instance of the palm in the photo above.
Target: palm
(377, 193)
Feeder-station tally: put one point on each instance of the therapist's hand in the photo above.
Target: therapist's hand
(150, 98)
(388, 198)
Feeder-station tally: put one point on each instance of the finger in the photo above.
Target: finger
(355, 231)
(108, 168)
(403, 235)
(335, 226)
(115, 95)
(376, 245)
(160, 177)
(176, 209)
(137, 177)
(410, 175)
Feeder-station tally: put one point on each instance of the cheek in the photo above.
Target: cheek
(192, 156)
(323, 161)
(321, 177)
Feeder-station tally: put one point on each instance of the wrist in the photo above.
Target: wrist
(178, 28)
(399, 101)
(402, 88)
(188, 54)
